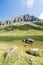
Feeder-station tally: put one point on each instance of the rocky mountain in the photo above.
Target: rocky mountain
(22, 18)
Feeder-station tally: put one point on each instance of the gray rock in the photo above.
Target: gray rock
(13, 20)
(28, 40)
(9, 52)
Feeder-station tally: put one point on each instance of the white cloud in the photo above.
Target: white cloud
(41, 16)
(29, 3)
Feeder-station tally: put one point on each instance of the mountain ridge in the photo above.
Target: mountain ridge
(22, 18)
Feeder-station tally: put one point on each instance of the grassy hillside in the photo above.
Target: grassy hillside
(39, 23)
(21, 27)
(19, 57)
(13, 35)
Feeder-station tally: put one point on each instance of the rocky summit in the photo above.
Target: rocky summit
(22, 18)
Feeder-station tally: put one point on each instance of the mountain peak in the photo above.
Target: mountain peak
(22, 18)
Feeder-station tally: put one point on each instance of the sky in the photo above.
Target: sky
(10, 8)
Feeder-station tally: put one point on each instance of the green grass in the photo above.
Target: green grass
(13, 35)
(39, 23)
(20, 27)
(21, 33)
(12, 38)
(15, 38)
(19, 57)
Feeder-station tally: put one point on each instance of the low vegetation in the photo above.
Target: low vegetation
(13, 35)
(19, 57)
(20, 27)
(39, 23)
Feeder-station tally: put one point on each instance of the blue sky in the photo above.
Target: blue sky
(10, 8)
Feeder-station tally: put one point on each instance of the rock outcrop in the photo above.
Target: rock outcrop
(34, 52)
(9, 52)
(22, 18)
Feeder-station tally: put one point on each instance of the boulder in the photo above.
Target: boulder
(9, 52)
(34, 52)
(28, 40)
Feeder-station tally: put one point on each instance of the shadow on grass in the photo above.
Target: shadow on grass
(12, 38)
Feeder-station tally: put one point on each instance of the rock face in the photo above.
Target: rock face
(28, 40)
(23, 18)
(9, 52)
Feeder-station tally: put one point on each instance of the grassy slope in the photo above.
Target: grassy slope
(15, 36)
(19, 57)
(39, 23)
